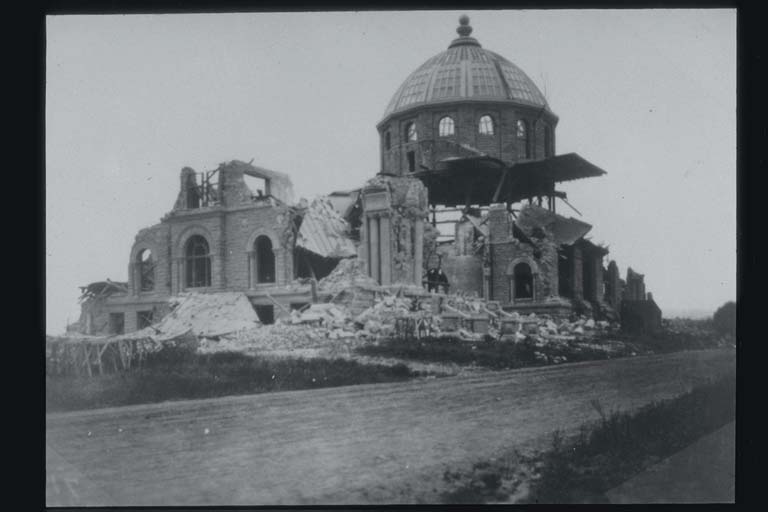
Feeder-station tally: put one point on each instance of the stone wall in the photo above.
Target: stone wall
(507, 251)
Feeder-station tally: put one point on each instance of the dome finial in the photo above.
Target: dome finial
(464, 28)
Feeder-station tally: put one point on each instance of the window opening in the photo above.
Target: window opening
(445, 127)
(146, 270)
(485, 126)
(198, 262)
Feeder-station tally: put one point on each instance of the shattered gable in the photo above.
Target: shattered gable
(324, 232)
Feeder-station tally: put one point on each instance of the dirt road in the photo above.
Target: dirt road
(380, 443)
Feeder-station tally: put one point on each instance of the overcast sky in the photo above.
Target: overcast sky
(649, 96)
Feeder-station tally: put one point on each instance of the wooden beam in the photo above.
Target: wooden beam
(498, 187)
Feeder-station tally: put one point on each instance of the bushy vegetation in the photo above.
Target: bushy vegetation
(724, 319)
(582, 469)
(682, 334)
(176, 373)
(489, 353)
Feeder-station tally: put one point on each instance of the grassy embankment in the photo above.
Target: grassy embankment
(583, 468)
(175, 374)
(499, 355)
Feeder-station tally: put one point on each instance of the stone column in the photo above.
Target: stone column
(385, 248)
(279, 266)
(362, 250)
(374, 248)
(598, 277)
(418, 251)
(179, 272)
(134, 278)
(251, 269)
(578, 275)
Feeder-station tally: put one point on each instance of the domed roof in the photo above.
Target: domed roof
(466, 72)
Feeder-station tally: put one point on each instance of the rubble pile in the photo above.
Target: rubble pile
(319, 326)
(328, 327)
(380, 318)
(349, 273)
(564, 337)
(205, 315)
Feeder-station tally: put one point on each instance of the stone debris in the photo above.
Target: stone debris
(206, 315)
(349, 273)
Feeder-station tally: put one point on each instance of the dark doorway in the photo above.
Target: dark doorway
(265, 260)
(411, 161)
(116, 323)
(266, 314)
(144, 319)
(588, 275)
(523, 281)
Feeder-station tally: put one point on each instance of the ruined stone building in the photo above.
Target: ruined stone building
(468, 182)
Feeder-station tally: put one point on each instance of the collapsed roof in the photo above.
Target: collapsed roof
(483, 180)
(324, 232)
(100, 289)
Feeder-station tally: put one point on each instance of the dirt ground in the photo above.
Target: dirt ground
(380, 443)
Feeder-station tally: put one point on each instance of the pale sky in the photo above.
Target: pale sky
(647, 95)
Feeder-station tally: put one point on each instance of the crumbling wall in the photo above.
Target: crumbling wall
(186, 182)
(241, 228)
(392, 232)
(612, 285)
(157, 239)
(232, 186)
(465, 273)
(635, 286)
(640, 316)
(506, 251)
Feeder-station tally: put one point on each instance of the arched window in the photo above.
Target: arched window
(445, 127)
(523, 278)
(387, 140)
(198, 262)
(548, 150)
(485, 126)
(410, 133)
(523, 139)
(265, 260)
(146, 270)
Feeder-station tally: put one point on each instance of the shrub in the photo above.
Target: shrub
(724, 319)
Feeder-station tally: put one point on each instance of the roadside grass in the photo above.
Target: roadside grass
(582, 468)
(490, 353)
(176, 373)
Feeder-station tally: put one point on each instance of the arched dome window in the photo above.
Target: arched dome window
(445, 127)
(197, 260)
(548, 150)
(146, 268)
(410, 133)
(523, 139)
(387, 140)
(485, 126)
